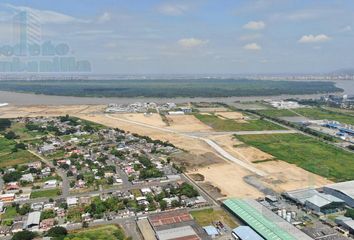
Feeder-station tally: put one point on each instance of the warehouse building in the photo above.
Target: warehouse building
(263, 221)
(33, 220)
(343, 190)
(245, 233)
(185, 233)
(316, 201)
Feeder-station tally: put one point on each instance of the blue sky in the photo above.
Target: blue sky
(199, 36)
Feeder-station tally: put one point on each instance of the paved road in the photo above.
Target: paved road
(219, 151)
(65, 187)
(98, 192)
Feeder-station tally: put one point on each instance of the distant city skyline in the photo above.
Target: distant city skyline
(195, 37)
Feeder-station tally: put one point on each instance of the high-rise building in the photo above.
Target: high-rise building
(27, 31)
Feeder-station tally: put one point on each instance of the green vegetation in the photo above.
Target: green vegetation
(207, 217)
(106, 232)
(4, 124)
(169, 88)
(320, 113)
(9, 213)
(11, 155)
(45, 193)
(220, 124)
(24, 235)
(349, 213)
(308, 153)
(277, 113)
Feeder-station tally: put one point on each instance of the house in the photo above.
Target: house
(8, 197)
(45, 172)
(27, 177)
(35, 165)
(37, 206)
(12, 186)
(48, 206)
(47, 148)
(71, 201)
(46, 224)
(50, 184)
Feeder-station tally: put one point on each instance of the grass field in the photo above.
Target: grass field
(45, 193)
(9, 213)
(307, 153)
(320, 113)
(278, 113)
(23, 132)
(219, 124)
(206, 217)
(106, 232)
(9, 158)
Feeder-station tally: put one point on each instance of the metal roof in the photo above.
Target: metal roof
(322, 200)
(246, 233)
(266, 223)
(346, 188)
(33, 218)
(211, 230)
(174, 233)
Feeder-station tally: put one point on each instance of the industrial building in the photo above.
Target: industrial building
(33, 220)
(316, 201)
(343, 190)
(263, 221)
(346, 223)
(245, 233)
(185, 232)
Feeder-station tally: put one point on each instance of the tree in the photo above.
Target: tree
(24, 235)
(10, 135)
(57, 232)
(163, 205)
(24, 209)
(12, 176)
(4, 123)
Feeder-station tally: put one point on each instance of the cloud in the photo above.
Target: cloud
(314, 38)
(173, 9)
(48, 16)
(250, 37)
(347, 28)
(252, 47)
(254, 25)
(105, 17)
(191, 42)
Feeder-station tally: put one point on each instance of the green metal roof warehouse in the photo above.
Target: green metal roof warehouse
(262, 220)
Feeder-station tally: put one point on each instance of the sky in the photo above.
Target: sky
(196, 36)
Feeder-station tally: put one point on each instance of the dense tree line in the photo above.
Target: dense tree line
(170, 88)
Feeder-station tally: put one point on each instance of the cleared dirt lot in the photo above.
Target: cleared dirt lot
(231, 115)
(228, 178)
(42, 110)
(153, 119)
(281, 176)
(186, 123)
